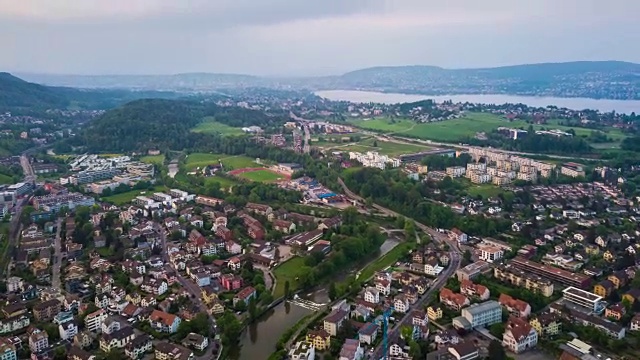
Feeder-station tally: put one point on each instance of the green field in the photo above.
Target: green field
(287, 271)
(385, 124)
(223, 181)
(6, 179)
(199, 160)
(484, 190)
(263, 176)
(383, 147)
(126, 197)
(384, 261)
(153, 159)
(210, 126)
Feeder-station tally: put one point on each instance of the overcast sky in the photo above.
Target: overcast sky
(307, 37)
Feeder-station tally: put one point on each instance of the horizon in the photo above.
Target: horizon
(18, 73)
(292, 38)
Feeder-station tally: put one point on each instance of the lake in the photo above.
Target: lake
(604, 105)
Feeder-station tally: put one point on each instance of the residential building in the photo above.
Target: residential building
(38, 341)
(7, 350)
(472, 270)
(453, 300)
(164, 322)
(351, 350)
(474, 291)
(245, 295)
(334, 320)
(546, 324)
(137, 347)
(520, 278)
(589, 301)
(434, 312)
(603, 288)
(320, 339)
(169, 351)
(68, 330)
(196, 341)
(457, 235)
(463, 350)
(552, 273)
(77, 353)
(46, 310)
(611, 329)
(615, 311)
(302, 350)
(117, 340)
(368, 333)
(490, 253)
(519, 335)
(515, 307)
(372, 295)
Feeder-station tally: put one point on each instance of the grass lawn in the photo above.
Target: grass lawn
(6, 179)
(223, 181)
(210, 126)
(126, 197)
(263, 176)
(385, 124)
(153, 159)
(392, 148)
(196, 160)
(484, 190)
(387, 260)
(287, 271)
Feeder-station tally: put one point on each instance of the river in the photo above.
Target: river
(259, 340)
(604, 105)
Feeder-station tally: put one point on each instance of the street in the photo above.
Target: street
(57, 257)
(454, 253)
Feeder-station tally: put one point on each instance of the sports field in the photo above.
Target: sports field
(196, 160)
(210, 126)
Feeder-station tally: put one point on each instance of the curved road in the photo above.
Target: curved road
(455, 254)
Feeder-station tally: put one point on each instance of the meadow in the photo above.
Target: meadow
(126, 197)
(210, 126)
(264, 176)
(287, 271)
(153, 159)
(198, 160)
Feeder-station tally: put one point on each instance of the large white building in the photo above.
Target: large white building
(519, 335)
(482, 314)
(490, 253)
(585, 299)
(373, 159)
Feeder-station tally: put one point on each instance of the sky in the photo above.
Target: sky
(307, 37)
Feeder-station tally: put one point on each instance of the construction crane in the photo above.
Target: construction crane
(385, 329)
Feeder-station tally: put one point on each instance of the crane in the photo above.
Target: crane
(385, 329)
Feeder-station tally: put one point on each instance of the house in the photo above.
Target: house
(38, 341)
(474, 291)
(351, 350)
(604, 288)
(330, 223)
(383, 286)
(457, 235)
(619, 279)
(302, 350)
(615, 311)
(464, 350)
(259, 209)
(449, 336)
(117, 340)
(632, 295)
(519, 335)
(400, 303)
(320, 339)
(334, 321)
(602, 241)
(432, 267)
(434, 312)
(231, 282)
(515, 306)
(368, 333)
(77, 353)
(168, 351)
(245, 295)
(371, 295)
(608, 256)
(68, 330)
(232, 247)
(83, 339)
(284, 226)
(196, 341)
(635, 323)
(546, 324)
(164, 322)
(137, 347)
(453, 300)
(234, 263)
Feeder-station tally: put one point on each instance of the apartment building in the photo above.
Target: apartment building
(519, 278)
(515, 307)
(572, 169)
(552, 273)
(46, 310)
(93, 322)
(456, 171)
(584, 299)
(490, 253)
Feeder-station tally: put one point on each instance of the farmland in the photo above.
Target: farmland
(263, 176)
(210, 126)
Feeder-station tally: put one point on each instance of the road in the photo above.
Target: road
(191, 287)
(57, 257)
(14, 226)
(306, 148)
(454, 253)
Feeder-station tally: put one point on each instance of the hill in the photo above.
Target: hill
(163, 124)
(17, 93)
(593, 79)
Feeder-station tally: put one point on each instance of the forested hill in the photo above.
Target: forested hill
(17, 93)
(161, 124)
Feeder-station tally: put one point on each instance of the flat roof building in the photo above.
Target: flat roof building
(594, 303)
(552, 273)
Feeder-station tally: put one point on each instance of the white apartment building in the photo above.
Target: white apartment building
(456, 171)
(93, 322)
(483, 314)
(490, 253)
(373, 159)
(585, 299)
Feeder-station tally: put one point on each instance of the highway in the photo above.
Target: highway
(454, 253)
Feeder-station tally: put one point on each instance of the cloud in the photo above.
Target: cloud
(286, 37)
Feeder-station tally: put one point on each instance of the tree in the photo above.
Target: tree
(230, 327)
(466, 257)
(332, 291)
(287, 289)
(497, 330)
(253, 310)
(400, 221)
(415, 351)
(409, 228)
(496, 351)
